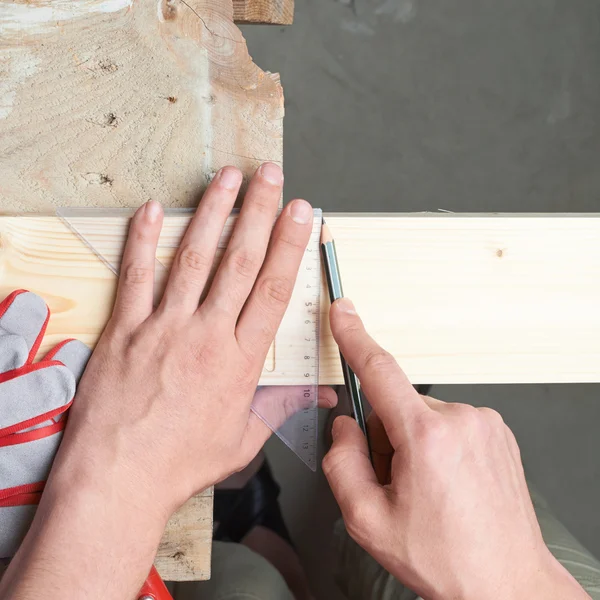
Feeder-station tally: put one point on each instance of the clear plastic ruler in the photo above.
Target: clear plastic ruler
(289, 409)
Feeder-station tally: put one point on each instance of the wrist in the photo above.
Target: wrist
(86, 540)
(101, 464)
(551, 582)
(103, 499)
(547, 579)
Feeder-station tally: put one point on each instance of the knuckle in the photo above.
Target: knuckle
(466, 412)
(136, 273)
(351, 329)
(275, 292)
(244, 262)
(360, 517)
(492, 416)
(431, 432)
(192, 260)
(471, 420)
(334, 463)
(378, 359)
(291, 242)
(139, 234)
(328, 463)
(262, 204)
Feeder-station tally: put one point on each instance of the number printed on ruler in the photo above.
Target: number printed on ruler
(311, 275)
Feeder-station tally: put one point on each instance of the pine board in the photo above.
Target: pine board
(475, 298)
(456, 299)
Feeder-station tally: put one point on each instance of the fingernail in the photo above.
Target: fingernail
(230, 178)
(301, 212)
(153, 209)
(345, 305)
(272, 173)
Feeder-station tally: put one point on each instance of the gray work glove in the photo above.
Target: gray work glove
(34, 398)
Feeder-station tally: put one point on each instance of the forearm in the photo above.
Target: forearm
(87, 541)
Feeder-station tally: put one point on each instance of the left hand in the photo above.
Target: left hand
(163, 409)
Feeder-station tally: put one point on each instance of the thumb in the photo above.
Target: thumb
(352, 479)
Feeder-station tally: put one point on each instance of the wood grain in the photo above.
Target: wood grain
(456, 299)
(269, 12)
(112, 102)
(184, 552)
(475, 299)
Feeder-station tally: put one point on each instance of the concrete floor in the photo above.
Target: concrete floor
(471, 105)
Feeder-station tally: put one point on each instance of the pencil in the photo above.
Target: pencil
(334, 285)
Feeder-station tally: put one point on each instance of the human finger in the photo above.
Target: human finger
(386, 386)
(270, 297)
(135, 292)
(248, 244)
(195, 255)
(352, 479)
(272, 406)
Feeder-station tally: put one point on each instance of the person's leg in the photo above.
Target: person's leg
(360, 577)
(238, 573)
(247, 512)
(567, 550)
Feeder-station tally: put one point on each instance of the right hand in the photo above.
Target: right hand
(455, 519)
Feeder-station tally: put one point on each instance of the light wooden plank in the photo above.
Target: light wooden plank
(184, 552)
(475, 299)
(268, 12)
(456, 299)
(112, 103)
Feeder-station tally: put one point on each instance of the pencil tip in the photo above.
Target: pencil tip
(325, 234)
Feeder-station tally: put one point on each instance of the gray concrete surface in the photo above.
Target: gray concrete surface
(471, 105)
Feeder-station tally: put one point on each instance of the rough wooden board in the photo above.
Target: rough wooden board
(457, 299)
(270, 12)
(111, 102)
(184, 552)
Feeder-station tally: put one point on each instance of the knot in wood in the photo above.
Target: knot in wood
(169, 10)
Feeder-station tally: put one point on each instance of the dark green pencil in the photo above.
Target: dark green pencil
(334, 285)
